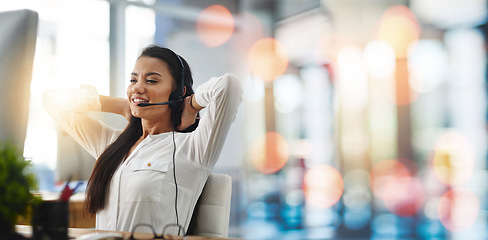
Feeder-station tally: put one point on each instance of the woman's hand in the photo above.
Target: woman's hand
(116, 105)
(190, 113)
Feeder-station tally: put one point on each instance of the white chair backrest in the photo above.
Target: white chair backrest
(212, 212)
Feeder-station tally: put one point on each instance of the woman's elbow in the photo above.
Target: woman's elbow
(232, 85)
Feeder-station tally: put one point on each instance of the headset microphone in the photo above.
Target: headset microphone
(161, 103)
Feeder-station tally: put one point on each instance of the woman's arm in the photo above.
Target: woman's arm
(69, 107)
(116, 105)
(221, 98)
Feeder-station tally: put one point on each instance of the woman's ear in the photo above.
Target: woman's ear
(184, 91)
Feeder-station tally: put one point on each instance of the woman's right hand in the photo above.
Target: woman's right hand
(116, 105)
(126, 112)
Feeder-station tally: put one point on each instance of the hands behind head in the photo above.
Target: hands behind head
(189, 115)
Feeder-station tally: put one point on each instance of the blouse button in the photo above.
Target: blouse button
(148, 164)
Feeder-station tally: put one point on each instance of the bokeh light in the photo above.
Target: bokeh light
(454, 159)
(458, 209)
(353, 78)
(380, 59)
(357, 218)
(399, 27)
(427, 64)
(288, 93)
(270, 152)
(405, 94)
(253, 90)
(383, 171)
(404, 196)
(323, 186)
(215, 25)
(250, 30)
(357, 194)
(394, 182)
(267, 59)
(329, 46)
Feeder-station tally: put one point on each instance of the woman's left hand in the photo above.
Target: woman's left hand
(189, 115)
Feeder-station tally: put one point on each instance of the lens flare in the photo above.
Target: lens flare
(323, 186)
(458, 209)
(268, 59)
(270, 153)
(215, 25)
(454, 158)
(393, 182)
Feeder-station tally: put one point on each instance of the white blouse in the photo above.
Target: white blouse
(142, 189)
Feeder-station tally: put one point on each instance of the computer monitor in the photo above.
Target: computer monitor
(18, 34)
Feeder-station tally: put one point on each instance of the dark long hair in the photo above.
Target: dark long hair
(115, 154)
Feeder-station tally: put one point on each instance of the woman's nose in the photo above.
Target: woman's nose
(138, 87)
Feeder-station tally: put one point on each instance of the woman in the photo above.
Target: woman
(155, 169)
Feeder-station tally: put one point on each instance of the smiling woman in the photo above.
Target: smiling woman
(140, 174)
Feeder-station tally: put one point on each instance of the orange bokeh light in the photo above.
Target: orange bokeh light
(458, 209)
(270, 153)
(215, 25)
(268, 59)
(323, 186)
(454, 158)
(393, 181)
(399, 27)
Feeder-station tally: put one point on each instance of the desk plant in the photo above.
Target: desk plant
(16, 181)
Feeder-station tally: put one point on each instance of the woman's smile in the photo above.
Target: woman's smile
(137, 100)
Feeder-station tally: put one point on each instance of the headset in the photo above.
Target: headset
(172, 102)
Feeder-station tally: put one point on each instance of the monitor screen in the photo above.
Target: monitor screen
(18, 34)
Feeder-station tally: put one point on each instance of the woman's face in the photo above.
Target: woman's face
(151, 82)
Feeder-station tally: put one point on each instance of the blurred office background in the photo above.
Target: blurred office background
(361, 119)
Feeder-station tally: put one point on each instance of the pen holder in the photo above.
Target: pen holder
(50, 220)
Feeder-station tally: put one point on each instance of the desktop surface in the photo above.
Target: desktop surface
(78, 233)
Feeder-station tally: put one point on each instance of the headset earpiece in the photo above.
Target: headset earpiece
(179, 93)
(174, 96)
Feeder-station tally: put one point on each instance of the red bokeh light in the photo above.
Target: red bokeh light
(394, 182)
(458, 209)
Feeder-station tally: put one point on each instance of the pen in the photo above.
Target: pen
(76, 187)
(66, 192)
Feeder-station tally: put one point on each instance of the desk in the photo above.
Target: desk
(26, 230)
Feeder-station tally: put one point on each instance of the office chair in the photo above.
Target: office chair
(211, 215)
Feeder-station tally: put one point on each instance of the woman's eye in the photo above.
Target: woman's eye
(133, 81)
(151, 81)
